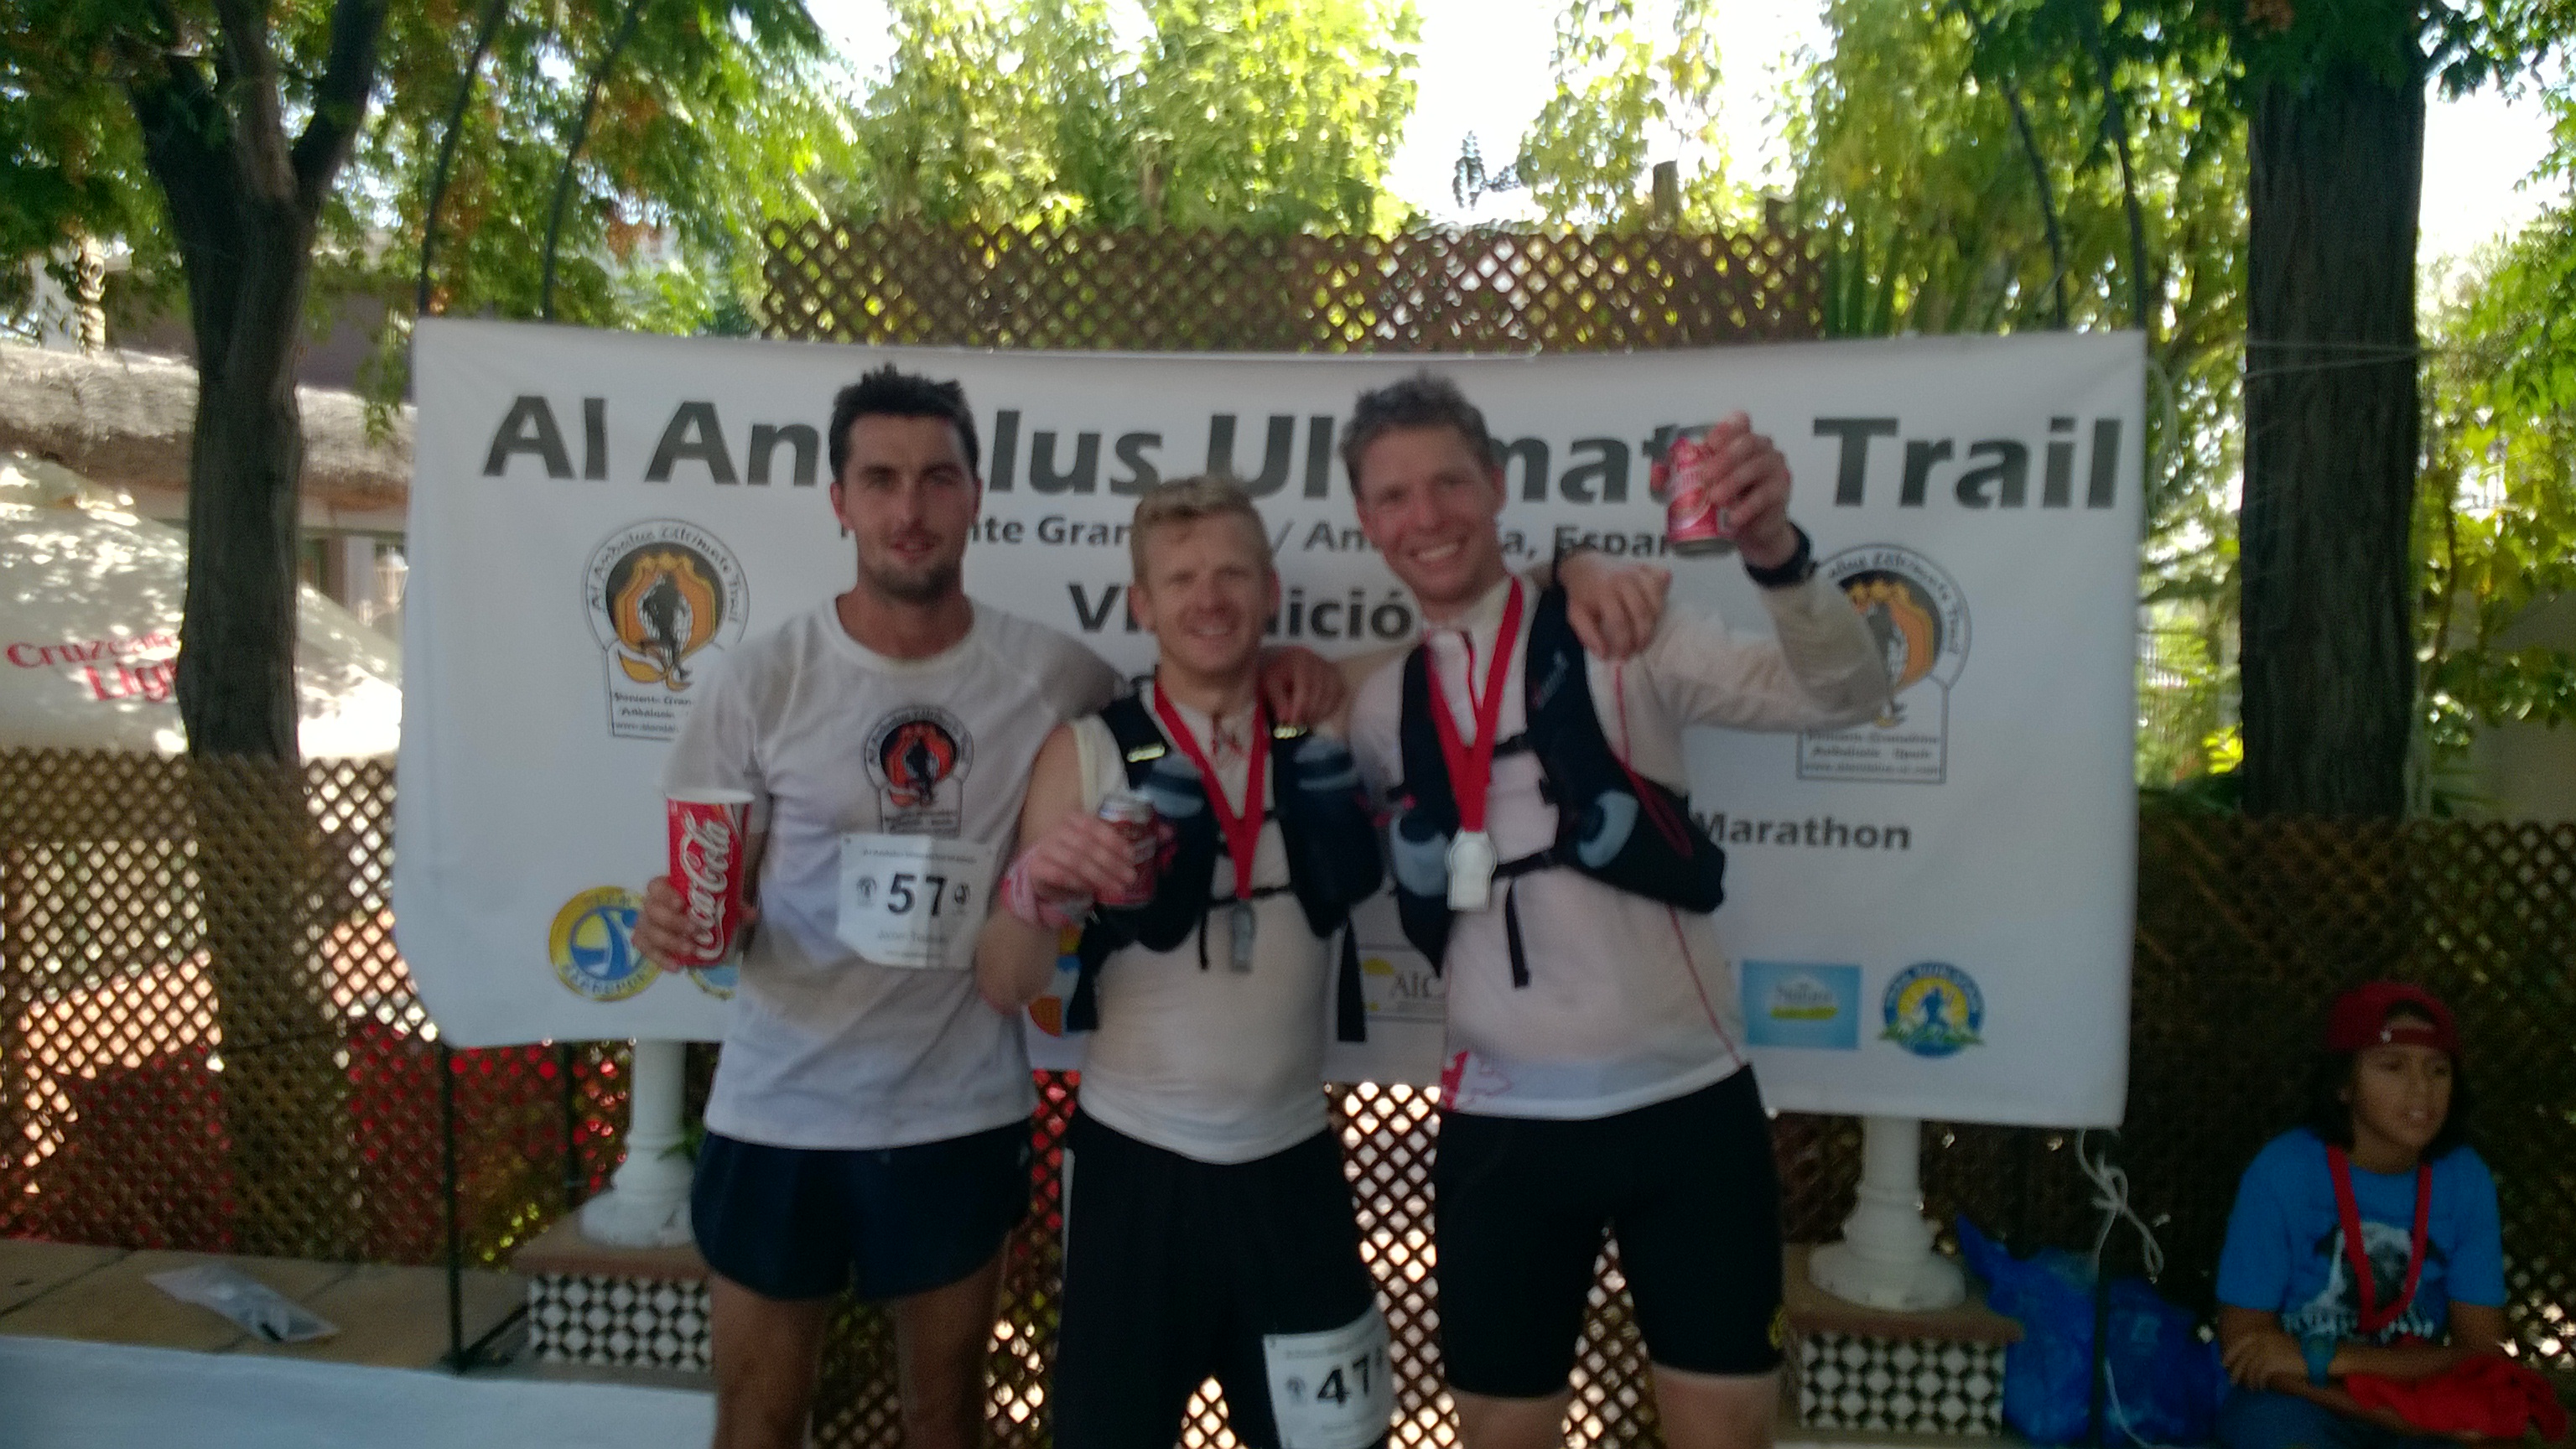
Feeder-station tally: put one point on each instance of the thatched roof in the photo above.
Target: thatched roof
(124, 419)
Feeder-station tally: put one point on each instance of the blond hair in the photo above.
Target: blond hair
(1188, 500)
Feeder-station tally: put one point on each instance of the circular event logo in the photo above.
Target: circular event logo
(592, 945)
(719, 982)
(658, 594)
(913, 751)
(1916, 611)
(1934, 1009)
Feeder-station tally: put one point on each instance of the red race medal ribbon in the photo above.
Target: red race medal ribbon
(2339, 1167)
(1472, 860)
(1242, 829)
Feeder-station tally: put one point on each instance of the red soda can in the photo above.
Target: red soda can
(710, 834)
(1692, 524)
(1133, 814)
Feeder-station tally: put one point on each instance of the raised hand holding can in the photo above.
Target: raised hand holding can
(710, 836)
(1694, 523)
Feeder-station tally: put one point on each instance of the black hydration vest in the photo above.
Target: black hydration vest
(1612, 823)
(1324, 823)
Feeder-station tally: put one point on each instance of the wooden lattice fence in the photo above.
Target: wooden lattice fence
(149, 1099)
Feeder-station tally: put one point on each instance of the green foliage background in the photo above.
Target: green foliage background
(1987, 168)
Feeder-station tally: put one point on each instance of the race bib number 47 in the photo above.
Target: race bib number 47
(1331, 1390)
(913, 900)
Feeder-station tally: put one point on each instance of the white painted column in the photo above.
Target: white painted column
(1885, 1259)
(353, 574)
(647, 1202)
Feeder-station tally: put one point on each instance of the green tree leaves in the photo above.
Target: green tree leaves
(1258, 115)
(2495, 527)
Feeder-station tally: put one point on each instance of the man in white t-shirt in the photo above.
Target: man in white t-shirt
(868, 1125)
(1544, 855)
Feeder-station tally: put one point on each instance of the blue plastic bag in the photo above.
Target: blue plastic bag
(2165, 1379)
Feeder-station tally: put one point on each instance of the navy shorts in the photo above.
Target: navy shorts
(1687, 1186)
(1177, 1270)
(803, 1222)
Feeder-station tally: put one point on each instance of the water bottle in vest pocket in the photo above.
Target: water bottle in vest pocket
(1325, 824)
(1418, 852)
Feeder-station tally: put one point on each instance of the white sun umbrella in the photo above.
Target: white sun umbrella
(90, 600)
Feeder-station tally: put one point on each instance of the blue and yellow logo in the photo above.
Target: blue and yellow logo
(1802, 1004)
(592, 944)
(1934, 1009)
(720, 982)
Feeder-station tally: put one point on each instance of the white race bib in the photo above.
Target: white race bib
(913, 900)
(1331, 1390)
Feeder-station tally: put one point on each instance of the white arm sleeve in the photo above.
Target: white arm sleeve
(1824, 670)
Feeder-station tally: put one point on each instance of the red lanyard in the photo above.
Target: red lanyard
(1242, 831)
(2339, 1166)
(1471, 766)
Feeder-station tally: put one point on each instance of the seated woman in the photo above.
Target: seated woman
(2362, 1238)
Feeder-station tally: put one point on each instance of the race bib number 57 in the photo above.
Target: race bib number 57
(913, 900)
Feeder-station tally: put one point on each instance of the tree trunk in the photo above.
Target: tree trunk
(242, 203)
(284, 1094)
(2331, 430)
(237, 650)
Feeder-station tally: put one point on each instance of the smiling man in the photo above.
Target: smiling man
(1208, 1229)
(1546, 859)
(868, 1126)
(1208, 1226)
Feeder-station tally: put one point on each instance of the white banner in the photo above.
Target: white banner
(1930, 914)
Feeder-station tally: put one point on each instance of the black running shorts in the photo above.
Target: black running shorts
(799, 1222)
(1688, 1188)
(1176, 1270)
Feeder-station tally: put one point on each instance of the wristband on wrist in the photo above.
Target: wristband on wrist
(1020, 897)
(1792, 570)
(2319, 1350)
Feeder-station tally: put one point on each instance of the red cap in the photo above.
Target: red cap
(2360, 1019)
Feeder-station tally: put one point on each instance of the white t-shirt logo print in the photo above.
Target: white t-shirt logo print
(919, 758)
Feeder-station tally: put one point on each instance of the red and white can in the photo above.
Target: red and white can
(1133, 814)
(1692, 523)
(710, 835)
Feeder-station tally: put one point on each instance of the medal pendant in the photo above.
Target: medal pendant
(1241, 932)
(1471, 871)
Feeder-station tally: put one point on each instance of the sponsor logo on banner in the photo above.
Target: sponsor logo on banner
(1934, 1009)
(1919, 616)
(720, 982)
(592, 944)
(1401, 986)
(918, 757)
(1802, 1004)
(663, 597)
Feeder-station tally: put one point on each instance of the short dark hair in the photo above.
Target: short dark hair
(890, 392)
(2328, 1113)
(1424, 400)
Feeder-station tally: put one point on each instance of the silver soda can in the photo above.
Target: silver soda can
(1133, 814)
(1692, 524)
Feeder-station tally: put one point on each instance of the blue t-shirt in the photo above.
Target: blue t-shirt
(2285, 1251)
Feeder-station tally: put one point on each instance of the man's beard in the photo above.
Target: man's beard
(927, 585)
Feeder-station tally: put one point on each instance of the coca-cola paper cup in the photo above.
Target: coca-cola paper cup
(710, 832)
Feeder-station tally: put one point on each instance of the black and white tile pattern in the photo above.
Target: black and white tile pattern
(1900, 1385)
(619, 1322)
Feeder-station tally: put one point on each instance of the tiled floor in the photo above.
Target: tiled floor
(389, 1317)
